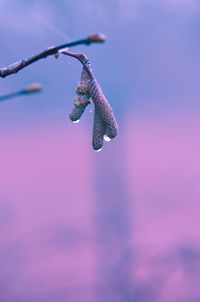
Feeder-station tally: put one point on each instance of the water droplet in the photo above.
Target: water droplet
(75, 122)
(98, 150)
(106, 138)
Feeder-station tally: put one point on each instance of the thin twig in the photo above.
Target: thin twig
(82, 58)
(14, 68)
(33, 88)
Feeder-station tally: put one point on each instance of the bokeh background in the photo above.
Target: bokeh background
(122, 224)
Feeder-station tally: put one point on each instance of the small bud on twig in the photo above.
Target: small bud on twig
(57, 54)
(14, 68)
(96, 38)
(35, 87)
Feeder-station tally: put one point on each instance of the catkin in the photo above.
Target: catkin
(79, 107)
(104, 108)
(104, 119)
(98, 131)
(80, 102)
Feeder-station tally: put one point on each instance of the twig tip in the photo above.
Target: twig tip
(35, 87)
(96, 38)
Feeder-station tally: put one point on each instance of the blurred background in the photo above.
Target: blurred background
(121, 224)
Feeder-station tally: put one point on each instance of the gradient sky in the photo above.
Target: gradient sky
(122, 224)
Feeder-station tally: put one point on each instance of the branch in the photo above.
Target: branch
(14, 68)
(82, 58)
(35, 87)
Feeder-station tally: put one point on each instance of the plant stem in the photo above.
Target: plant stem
(82, 58)
(33, 88)
(14, 68)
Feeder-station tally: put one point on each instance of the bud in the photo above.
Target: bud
(96, 38)
(35, 87)
(57, 54)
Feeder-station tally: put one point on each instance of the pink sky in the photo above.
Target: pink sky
(163, 173)
(47, 187)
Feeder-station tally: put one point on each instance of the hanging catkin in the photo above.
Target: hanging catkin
(104, 119)
(98, 131)
(104, 108)
(82, 99)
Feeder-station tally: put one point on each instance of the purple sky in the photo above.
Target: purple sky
(122, 224)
